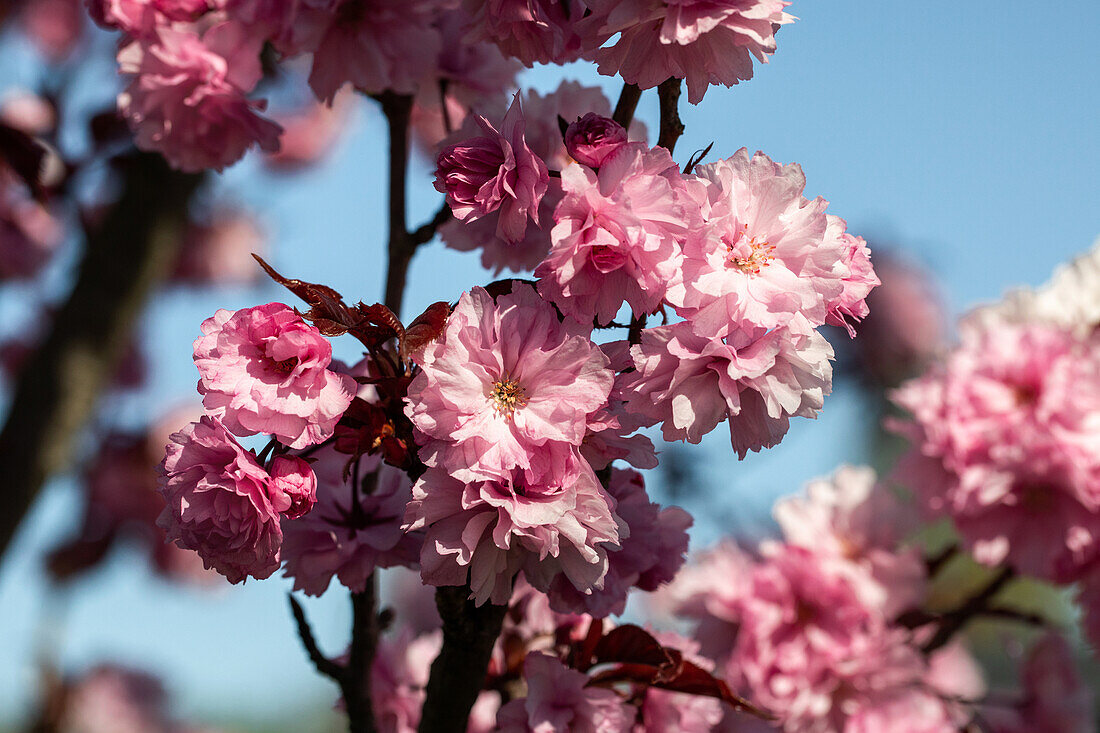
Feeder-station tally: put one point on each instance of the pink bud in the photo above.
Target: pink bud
(592, 138)
(293, 486)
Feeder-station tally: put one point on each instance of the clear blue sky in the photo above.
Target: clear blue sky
(964, 134)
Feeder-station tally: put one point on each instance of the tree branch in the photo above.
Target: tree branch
(57, 390)
(401, 247)
(951, 623)
(458, 673)
(324, 665)
(364, 641)
(628, 102)
(424, 233)
(668, 94)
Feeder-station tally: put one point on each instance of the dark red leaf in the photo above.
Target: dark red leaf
(24, 155)
(425, 328)
(377, 324)
(327, 311)
(695, 680)
(633, 644)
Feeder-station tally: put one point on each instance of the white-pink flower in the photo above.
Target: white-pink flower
(494, 173)
(763, 255)
(703, 41)
(851, 305)
(186, 96)
(506, 386)
(617, 234)
(265, 370)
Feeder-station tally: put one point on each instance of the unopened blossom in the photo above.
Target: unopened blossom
(506, 386)
(533, 31)
(763, 255)
(219, 502)
(186, 96)
(354, 528)
(757, 381)
(265, 370)
(373, 45)
(1001, 433)
(592, 138)
(485, 531)
(853, 517)
(851, 305)
(1053, 698)
(494, 172)
(649, 558)
(703, 41)
(617, 234)
(558, 699)
(570, 101)
(144, 17)
(293, 486)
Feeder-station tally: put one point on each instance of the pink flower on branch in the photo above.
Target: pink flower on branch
(559, 699)
(592, 138)
(265, 370)
(497, 172)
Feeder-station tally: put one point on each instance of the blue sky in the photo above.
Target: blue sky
(967, 139)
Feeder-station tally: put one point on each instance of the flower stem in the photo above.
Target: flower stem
(628, 102)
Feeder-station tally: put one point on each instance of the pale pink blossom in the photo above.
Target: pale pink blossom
(186, 95)
(703, 41)
(533, 31)
(609, 438)
(851, 305)
(498, 254)
(904, 711)
(617, 234)
(265, 370)
(113, 699)
(486, 531)
(757, 381)
(374, 45)
(851, 516)
(764, 254)
(648, 558)
(28, 112)
(1004, 437)
(399, 676)
(354, 528)
(496, 172)
(219, 250)
(310, 133)
(219, 502)
(592, 138)
(558, 700)
(1054, 697)
(506, 386)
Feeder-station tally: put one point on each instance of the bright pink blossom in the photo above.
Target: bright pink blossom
(558, 699)
(293, 486)
(533, 31)
(758, 382)
(617, 234)
(592, 138)
(143, 17)
(506, 386)
(703, 41)
(347, 541)
(496, 172)
(265, 370)
(763, 255)
(487, 530)
(851, 304)
(904, 711)
(219, 502)
(709, 590)
(55, 26)
(186, 96)
(647, 559)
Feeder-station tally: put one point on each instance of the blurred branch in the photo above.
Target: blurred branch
(953, 622)
(668, 94)
(324, 665)
(458, 673)
(401, 246)
(125, 257)
(628, 102)
(364, 641)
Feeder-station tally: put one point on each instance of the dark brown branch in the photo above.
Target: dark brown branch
(668, 94)
(324, 665)
(637, 325)
(364, 641)
(397, 108)
(56, 392)
(952, 622)
(458, 673)
(936, 562)
(628, 102)
(424, 233)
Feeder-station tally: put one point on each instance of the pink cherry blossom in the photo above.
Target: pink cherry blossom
(904, 711)
(757, 381)
(763, 255)
(219, 502)
(851, 305)
(218, 250)
(487, 530)
(374, 45)
(507, 385)
(617, 234)
(559, 700)
(850, 516)
(398, 677)
(345, 536)
(293, 486)
(496, 172)
(186, 95)
(533, 31)
(1054, 698)
(648, 558)
(703, 41)
(310, 132)
(715, 606)
(592, 138)
(113, 699)
(55, 26)
(143, 17)
(265, 370)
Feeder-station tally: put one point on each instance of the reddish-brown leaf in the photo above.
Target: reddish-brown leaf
(327, 311)
(633, 644)
(695, 680)
(425, 328)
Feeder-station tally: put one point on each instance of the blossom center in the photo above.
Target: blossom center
(507, 396)
(286, 366)
(746, 254)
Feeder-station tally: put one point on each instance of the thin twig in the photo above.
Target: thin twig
(628, 102)
(324, 665)
(954, 621)
(424, 233)
(637, 325)
(668, 94)
(936, 562)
